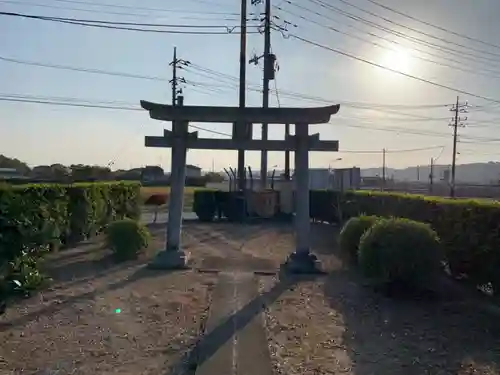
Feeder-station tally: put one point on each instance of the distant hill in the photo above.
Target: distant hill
(476, 173)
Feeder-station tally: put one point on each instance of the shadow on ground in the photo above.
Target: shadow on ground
(69, 301)
(388, 336)
(208, 344)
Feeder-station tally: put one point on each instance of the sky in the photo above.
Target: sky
(379, 108)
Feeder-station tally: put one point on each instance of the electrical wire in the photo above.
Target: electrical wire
(137, 7)
(443, 48)
(218, 76)
(73, 102)
(436, 84)
(86, 105)
(100, 11)
(495, 74)
(85, 70)
(211, 74)
(447, 41)
(116, 25)
(359, 105)
(433, 25)
(390, 151)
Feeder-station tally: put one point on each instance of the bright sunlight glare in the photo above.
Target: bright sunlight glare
(397, 59)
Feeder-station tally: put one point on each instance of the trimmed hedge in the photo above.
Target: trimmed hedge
(469, 229)
(33, 217)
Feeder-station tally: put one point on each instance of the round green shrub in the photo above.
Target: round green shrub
(351, 233)
(127, 238)
(400, 253)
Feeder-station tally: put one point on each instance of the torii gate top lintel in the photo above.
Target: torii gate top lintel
(255, 115)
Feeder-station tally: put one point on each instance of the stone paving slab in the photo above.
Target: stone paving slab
(235, 342)
(148, 216)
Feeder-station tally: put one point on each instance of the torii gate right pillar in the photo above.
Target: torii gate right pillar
(301, 260)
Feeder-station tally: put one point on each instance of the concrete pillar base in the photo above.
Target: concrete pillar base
(170, 259)
(303, 262)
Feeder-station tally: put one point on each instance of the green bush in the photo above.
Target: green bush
(204, 204)
(127, 238)
(400, 252)
(351, 233)
(23, 275)
(37, 217)
(468, 229)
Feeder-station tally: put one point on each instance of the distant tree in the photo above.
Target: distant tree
(43, 172)
(152, 172)
(81, 172)
(214, 177)
(21, 167)
(60, 172)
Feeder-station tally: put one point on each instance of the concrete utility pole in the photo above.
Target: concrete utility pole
(457, 109)
(269, 73)
(242, 129)
(176, 64)
(265, 93)
(174, 77)
(383, 169)
(431, 176)
(287, 154)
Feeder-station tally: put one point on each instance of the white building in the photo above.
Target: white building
(193, 171)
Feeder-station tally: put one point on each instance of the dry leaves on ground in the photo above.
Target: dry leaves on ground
(123, 320)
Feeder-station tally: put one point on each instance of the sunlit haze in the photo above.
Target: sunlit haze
(93, 67)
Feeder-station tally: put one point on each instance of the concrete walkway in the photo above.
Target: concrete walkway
(235, 342)
(147, 216)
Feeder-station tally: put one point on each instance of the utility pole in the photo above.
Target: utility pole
(242, 130)
(457, 121)
(265, 94)
(176, 64)
(383, 169)
(287, 154)
(431, 176)
(418, 172)
(269, 63)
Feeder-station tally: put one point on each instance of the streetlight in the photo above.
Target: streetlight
(334, 160)
(272, 176)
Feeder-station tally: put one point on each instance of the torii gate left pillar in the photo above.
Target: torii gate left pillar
(301, 260)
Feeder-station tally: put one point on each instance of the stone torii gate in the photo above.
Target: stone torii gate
(180, 139)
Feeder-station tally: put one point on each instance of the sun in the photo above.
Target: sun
(397, 59)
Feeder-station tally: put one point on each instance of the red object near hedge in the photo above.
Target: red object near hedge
(157, 200)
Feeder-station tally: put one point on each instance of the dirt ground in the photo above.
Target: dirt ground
(328, 325)
(335, 325)
(101, 318)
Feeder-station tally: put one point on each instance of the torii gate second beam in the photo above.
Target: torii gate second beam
(180, 140)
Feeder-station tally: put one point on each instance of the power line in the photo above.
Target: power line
(85, 105)
(346, 54)
(433, 25)
(74, 102)
(100, 11)
(208, 73)
(413, 39)
(135, 7)
(391, 151)
(84, 70)
(471, 71)
(455, 53)
(447, 41)
(116, 25)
